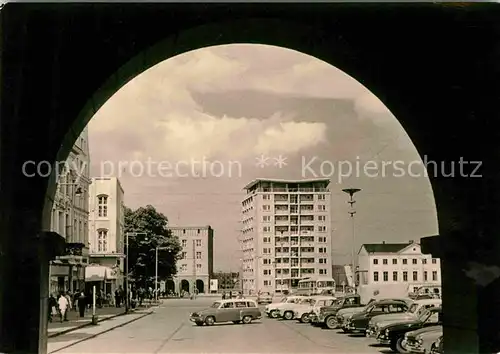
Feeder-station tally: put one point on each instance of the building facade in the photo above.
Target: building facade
(196, 264)
(70, 217)
(286, 233)
(396, 263)
(106, 233)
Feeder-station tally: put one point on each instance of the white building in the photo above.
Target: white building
(393, 263)
(69, 218)
(286, 233)
(196, 263)
(106, 230)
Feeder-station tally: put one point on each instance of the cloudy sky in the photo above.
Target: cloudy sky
(230, 105)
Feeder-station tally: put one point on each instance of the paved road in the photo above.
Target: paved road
(168, 330)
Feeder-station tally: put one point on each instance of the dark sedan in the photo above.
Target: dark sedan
(393, 334)
(359, 321)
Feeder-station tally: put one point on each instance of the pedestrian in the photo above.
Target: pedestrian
(52, 307)
(63, 306)
(223, 295)
(70, 306)
(82, 304)
(230, 294)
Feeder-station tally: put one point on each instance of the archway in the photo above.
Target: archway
(200, 286)
(467, 207)
(170, 285)
(185, 285)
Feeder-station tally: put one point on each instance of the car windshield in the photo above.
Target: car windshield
(215, 305)
(339, 302)
(413, 308)
(424, 315)
(305, 301)
(368, 308)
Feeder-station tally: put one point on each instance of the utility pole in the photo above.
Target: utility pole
(351, 201)
(194, 271)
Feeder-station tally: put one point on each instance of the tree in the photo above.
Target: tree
(151, 229)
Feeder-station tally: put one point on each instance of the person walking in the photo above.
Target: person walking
(63, 306)
(82, 304)
(69, 307)
(223, 295)
(52, 307)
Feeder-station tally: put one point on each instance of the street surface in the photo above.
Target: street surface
(168, 330)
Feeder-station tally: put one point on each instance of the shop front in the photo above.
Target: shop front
(105, 280)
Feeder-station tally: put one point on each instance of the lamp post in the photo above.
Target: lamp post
(156, 270)
(127, 296)
(351, 201)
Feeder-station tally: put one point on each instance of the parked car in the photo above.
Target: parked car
(232, 310)
(414, 312)
(421, 340)
(359, 321)
(272, 310)
(265, 298)
(393, 334)
(287, 311)
(437, 347)
(327, 316)
(302, 313)
(344, 314)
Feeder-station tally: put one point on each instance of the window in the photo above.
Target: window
(102, 203)
(183, 267)
(375, 261)
(386, 276)
(321, 217)
(266, 239)
(321, 197)
(322, 239)
(266, 207)
(266, 218)
(322, 260)
(250, 304)
(405, 276)
(375, 276)
(425, 276)
(415, 276)
(184, 231)
(228, 305)
(322, 250)
(434, 261)
(266, 229)
(102, 240)
(414, 261)
(394, 276)
(198, 255)
(384, 261)
(424, 261)
(321, 207)
(322, 228)
(184, 255)
(198, 230)
(198, 243)
(241, 304)
(322, 271)
(267, 283)
(184, 243)
(394, 261)
(266, 250)
(267, 272)
(266, 197)
(434, 275)
(405, 261)
(198, 266)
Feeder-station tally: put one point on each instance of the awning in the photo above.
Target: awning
(99, 273)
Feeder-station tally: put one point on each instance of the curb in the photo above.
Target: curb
(56, 334)
(98, 334)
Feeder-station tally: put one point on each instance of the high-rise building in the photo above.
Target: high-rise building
(196, 263)
(69, 218)
(286, 233)
(106, 233)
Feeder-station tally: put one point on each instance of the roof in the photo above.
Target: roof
(235, 299)
(189, 227)
(385, 247)
(298, 181)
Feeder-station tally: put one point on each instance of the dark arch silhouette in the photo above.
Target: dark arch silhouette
(434, 66)
(170, 285)
(200, 286)
(185, 285)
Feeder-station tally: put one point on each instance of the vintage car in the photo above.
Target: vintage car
(302, 313)
(414, 312)
(272, 310)
(264, 298)
(232, 310)
(287, 312)
(327, 316)
(421, 340)
(344, 314)
(437, 346)
(393, 334)
(359, 321)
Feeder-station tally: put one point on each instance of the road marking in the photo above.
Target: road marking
(168, 338)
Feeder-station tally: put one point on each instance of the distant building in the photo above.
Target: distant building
(391, 263)
(228, 280)
(106, 230)
(195, 266)
(69, 218)
(339, 274)
(286, 233)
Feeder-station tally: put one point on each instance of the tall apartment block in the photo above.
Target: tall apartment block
(196, 264)
(286, 233)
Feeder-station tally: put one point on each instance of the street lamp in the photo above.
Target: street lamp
(351, 201)
(127, 296)
(158, 248)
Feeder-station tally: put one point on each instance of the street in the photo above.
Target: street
(168, 330)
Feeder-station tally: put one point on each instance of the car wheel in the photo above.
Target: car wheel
(247, 319)
(210, 320)
(288, 315)
(274, 314)
(399, 346)
(304, 318)
(331, 322)
(199, 323)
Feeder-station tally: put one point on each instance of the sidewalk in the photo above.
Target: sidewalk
(57, 328)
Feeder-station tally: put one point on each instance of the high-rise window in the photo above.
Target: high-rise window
(184, 243)
(198, 255)
(102, 203)
(102, 240)
(198, 243)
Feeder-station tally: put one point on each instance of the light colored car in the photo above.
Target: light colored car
(416, 308)
(420, 341)
(232, 310)
(265, 298)
(286, 312)
(272, 310)
(302, 313)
